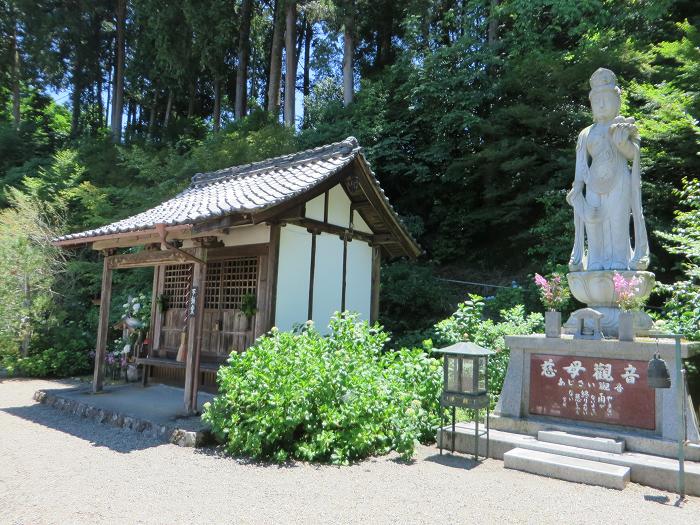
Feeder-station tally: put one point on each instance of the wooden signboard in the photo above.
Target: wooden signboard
(594, 389)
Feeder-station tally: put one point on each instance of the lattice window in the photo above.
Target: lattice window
(175, 284)
(212, 290)
(228, 281)
(239, 277)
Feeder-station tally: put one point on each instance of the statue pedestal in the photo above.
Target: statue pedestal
(600, 387)
(596, 289)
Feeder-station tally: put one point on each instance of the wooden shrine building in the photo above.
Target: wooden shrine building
(293, 238)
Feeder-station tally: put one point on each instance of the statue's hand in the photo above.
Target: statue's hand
(623, 134)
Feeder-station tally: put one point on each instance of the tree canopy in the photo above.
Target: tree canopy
(468, 110)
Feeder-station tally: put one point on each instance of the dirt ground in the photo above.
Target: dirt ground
(57, 468)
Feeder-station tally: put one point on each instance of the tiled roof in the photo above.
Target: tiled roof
(250, 189)
(240, 189)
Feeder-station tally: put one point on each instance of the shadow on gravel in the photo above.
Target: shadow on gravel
(100, 435)
(450, 460)
(219, 453)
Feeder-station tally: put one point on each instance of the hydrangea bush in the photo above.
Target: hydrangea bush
(337, 398)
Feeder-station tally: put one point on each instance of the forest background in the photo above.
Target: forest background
(468, 112)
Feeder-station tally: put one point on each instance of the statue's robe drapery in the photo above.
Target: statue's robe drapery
(602, 215)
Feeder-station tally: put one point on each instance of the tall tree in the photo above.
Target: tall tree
(14, 49)
(348, 51)
(243, 58)
(290, 84)
(118, 87)
(275, 75)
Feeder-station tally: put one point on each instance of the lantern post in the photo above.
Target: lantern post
(659, 377)
(465, 385)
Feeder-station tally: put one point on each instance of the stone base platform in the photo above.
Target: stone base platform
(154, 411)
(645, 469)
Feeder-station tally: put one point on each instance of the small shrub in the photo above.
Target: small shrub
(48, 363)
(338, 398)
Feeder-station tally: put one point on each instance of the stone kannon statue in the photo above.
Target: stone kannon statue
(612, 191)
(606, 194)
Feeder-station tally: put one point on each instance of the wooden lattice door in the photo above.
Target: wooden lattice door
(226, 327)
(176, 283)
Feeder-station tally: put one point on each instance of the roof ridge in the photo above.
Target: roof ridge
(344, 147)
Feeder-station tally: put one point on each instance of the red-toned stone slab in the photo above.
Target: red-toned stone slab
(594, 389)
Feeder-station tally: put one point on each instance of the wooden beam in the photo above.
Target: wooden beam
(102, 327)
(384, 238)
(312, 272)
(226, 221)
(376, 282)
(318, 226)
(155, 311)
(194, 332)
(149, 258)
(158, 320)
(345, 274)
(138, 235)
(272, 268)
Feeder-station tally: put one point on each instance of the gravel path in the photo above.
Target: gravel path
(56, 468)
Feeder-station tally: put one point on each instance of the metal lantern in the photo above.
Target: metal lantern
(657, 374)
(465, 385)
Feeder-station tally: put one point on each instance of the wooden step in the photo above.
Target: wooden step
(567, 468)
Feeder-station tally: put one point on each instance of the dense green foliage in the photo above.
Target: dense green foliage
(337, 398)
(468, 111)
(682, 309)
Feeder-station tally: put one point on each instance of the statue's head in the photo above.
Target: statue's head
(604, 95)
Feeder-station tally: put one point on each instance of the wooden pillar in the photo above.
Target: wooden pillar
(376, 280)
(102, 327)
(273, 257)
(194, 333)
(345, 272)
(312, 272)
(157, 328)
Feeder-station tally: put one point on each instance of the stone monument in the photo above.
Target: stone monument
(597, 385)
(605, 193)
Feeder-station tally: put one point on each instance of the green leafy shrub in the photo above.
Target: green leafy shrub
(337, 398)
(48, 363)
(468, 324)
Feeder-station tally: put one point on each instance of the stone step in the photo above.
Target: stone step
(575, 440)
(567, 468)
(654, 471)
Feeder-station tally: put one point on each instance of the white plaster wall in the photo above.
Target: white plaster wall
(338, 206)
(358, 287)
(314, 208)
(328, 279)
(293, 277)
(240, 235)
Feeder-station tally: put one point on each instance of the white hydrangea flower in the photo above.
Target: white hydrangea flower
(127, 349)
(137, 307)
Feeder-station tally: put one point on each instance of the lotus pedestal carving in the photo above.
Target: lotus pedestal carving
(597, 290)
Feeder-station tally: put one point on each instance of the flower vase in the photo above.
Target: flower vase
(625, 329)
(552, 323)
